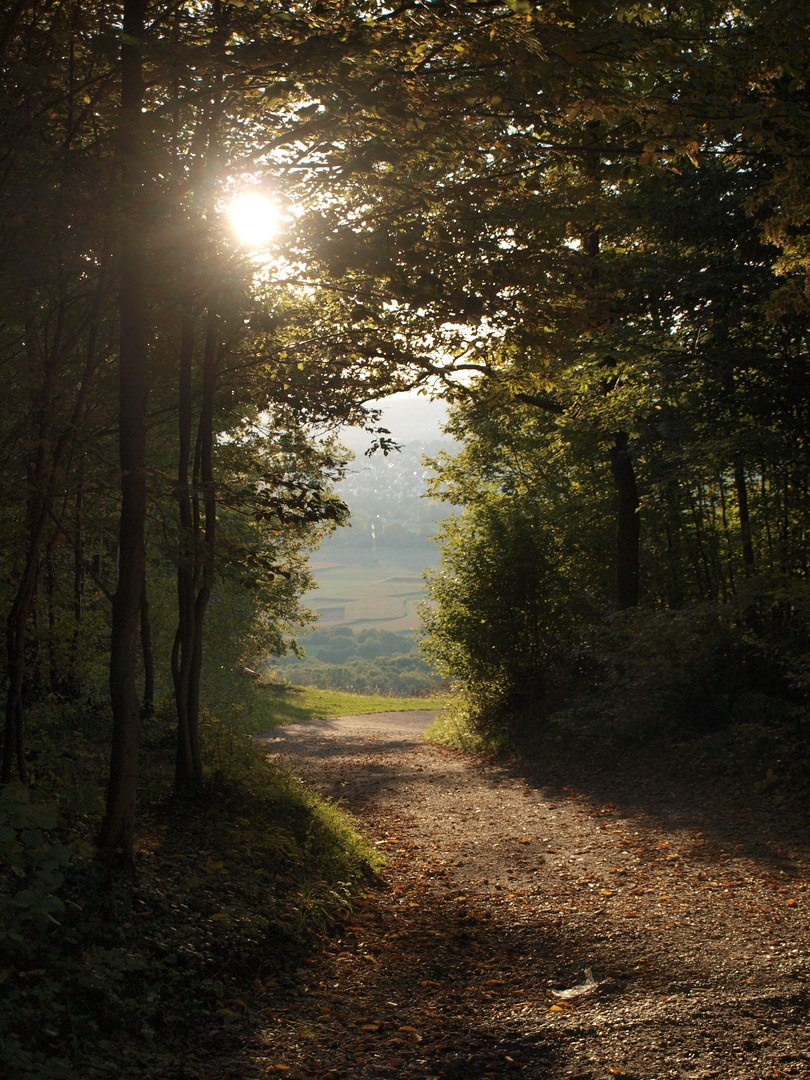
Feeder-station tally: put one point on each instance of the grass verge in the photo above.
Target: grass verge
(275, 704)
(106, 977)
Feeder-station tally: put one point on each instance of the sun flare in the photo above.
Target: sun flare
(254, 219)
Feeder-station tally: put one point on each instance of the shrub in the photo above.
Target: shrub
(501, 614)
(705, 665)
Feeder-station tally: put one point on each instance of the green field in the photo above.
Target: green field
(357, 590)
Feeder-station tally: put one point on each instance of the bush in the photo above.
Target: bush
(367, 661)
(501, 615)
(706, 665)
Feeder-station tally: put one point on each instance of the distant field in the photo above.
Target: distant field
(354, 590)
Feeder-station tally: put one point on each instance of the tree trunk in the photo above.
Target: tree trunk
(196, 571)
(186, 565)
(35, 518)
(117, 828)
(721, 487)
(79, 569)
(745, 520)
(54, 680)
(196, 558)
(206, 483)
(13, 745)
(628, 524)
(147, 655)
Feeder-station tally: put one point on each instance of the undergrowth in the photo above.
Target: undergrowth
(707, 691)
(103, 976)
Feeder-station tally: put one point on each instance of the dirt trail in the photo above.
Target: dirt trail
(602, 928)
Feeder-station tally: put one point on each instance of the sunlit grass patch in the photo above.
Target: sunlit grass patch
(278, 704)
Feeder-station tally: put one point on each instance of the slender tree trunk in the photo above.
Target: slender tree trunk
(117, 828)
(628, 530)
(726, 531)
(764, 493)
(16, 624)
(198, 531)
(200, 579)
(674, 544)
(700, 561)
(35, 518)
(79, 569)
(628, 525)
(206, 484)
(745, 520)
(187, 562)
(148, 656)
(50, 585)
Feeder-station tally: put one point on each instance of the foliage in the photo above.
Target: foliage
(645, 680)
(32, 863)
(587, 222)
(368, 661)
(501, 608)
(233, 890)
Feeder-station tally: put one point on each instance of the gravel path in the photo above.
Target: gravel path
(588, 926)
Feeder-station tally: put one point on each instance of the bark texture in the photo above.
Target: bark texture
(117, 828)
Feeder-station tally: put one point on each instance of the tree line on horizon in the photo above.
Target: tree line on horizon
(585, 223)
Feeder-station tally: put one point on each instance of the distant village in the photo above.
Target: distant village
(384, 491)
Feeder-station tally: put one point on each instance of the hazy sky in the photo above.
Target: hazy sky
(409, 418)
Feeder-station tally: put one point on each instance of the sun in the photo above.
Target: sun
(254, 218)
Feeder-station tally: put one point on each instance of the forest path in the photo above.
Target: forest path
(584, 926)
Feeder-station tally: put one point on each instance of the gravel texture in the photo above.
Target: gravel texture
(586, 925)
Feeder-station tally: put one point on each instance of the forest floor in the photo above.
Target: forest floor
(531, 922)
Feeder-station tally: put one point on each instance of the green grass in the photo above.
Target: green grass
(279, 704)
(452, 731)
